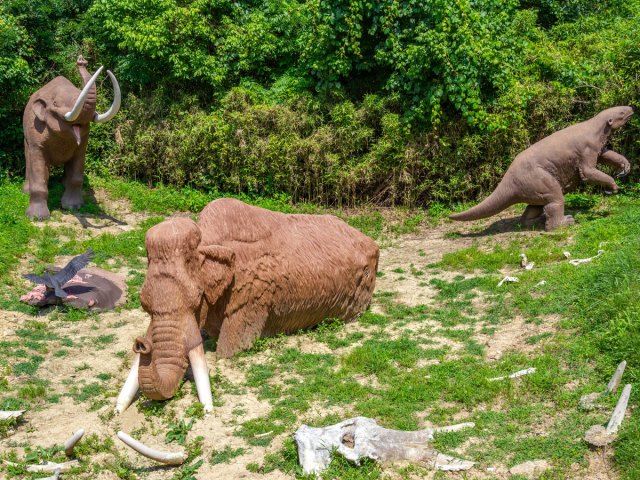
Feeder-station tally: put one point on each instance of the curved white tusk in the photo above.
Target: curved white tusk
(115, 106)
(130, 387)
(71, 443)
(72, 115)
(201, 377)
(170, 458)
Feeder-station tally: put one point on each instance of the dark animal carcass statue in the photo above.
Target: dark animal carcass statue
(241, 272)
(56, 130)
(544, 172)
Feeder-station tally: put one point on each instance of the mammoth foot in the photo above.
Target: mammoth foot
(566, 221)
(38, 211)
(72, 200)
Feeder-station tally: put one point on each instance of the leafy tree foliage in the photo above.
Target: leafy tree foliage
(334, 101)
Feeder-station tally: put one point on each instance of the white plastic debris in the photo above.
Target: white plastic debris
(519, 373)
(508, 279)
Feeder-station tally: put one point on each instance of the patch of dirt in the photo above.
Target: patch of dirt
(513, 335)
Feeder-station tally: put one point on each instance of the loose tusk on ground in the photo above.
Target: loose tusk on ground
(170, 458)
(517, 374)
(201, 377)
(617, 376)
(71, 443)
(619, 411)
(130, 387)
(7, 414)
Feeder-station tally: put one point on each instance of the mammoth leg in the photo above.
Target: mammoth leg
(25, 187)
(532, 215)
(240, 330)
(38, 177)
(73, 180)
(554, 211)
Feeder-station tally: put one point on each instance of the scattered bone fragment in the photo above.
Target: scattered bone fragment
(7, 414)
(599, 436)
(619, 411)
(566, 254)
(265, 434)
(589, 401)
(508, 279)
(71, 443)
(362, 437)
(540, 283)
(49, 467)
(519, 373)
(617, 376)
(170, 458)
(524, 263)
(580, 261)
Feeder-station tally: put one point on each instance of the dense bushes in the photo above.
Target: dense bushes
(332, 101)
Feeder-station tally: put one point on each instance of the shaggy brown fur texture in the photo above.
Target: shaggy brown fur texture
(243, 272)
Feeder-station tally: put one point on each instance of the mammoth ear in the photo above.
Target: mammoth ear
(217, 270)
(40, 109)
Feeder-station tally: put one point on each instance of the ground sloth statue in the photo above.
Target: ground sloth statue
(544, 172)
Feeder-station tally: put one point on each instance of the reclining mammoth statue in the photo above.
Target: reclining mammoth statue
(241, 272)
(56, 125)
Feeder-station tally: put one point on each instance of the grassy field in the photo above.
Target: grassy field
(438, 329)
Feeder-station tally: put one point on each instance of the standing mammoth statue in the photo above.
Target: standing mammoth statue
(240, 273)
(56, 130)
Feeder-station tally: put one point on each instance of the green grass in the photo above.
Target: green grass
(401, 365)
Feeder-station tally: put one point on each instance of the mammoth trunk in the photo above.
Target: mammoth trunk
(163, 363)
(89, 106)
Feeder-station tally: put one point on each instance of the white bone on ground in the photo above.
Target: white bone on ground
(508, 279)
(49, 467)
(617, 376)
(130, 387)
(7, 414)
(517, 374)
(580, 261)
(71, 443)
(170, 458)
(540, 283)
(201, 376)
(362, 437)
(619, 411)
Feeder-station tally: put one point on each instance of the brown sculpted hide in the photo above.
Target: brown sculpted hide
(544, 172)
(50, 139)
(243, 272)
